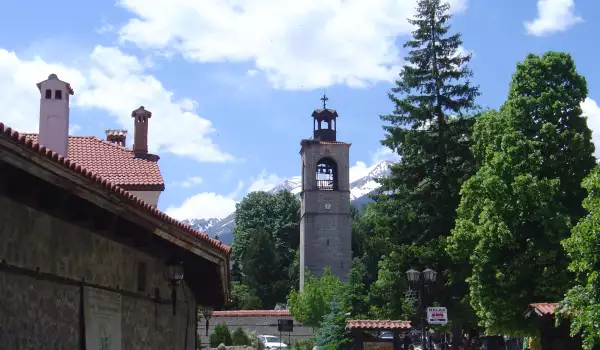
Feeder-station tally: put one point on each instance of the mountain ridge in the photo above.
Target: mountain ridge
(360, 189)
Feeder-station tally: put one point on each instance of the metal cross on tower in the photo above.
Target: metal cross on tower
(324, 99)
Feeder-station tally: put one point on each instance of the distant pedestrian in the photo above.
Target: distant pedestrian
(406, 342)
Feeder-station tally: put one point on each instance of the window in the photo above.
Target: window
(58, 95)
(141, 276)
(327, 177)
(48, 94)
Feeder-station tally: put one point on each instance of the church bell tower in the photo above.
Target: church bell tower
(325, 233)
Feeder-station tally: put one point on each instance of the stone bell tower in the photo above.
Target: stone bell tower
(325, 233)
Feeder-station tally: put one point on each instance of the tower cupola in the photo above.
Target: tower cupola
(324, 122)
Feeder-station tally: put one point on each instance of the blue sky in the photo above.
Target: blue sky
(232, 84)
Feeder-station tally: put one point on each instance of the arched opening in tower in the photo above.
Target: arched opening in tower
(327, 175)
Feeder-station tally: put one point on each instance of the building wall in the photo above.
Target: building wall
(325, 231)
(266, 325)
(44, 260)
(150, 197)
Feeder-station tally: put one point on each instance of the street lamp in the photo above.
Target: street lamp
(421, 280)
(206, 313)
(173, 273)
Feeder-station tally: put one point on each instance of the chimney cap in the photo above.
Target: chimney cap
(141, 112)
(116, 132)
(55, 77)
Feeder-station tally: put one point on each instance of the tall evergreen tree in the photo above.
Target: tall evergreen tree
(429, 128)
(260, 274)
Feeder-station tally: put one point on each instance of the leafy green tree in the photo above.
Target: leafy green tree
(276, 213)
(583, 300)
(310, 305)
(243, 297)
(261, 274)
(430, 129)
(524, 198)
(332, 334)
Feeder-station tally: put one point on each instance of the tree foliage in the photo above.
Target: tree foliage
(243, 297)
(354, 297)
(430, 129)
(220, 335)
(275, 217)
(525, 195)
(261, 275)
(332, 334)
(583, 299)
(276, 213)
(314, 302)
(239, 337)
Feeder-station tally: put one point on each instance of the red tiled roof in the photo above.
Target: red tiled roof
(27, 142)
(252, 313)
(377, 324)
(544, 308)
(114, 163)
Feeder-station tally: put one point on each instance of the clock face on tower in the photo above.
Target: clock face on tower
(327, 206)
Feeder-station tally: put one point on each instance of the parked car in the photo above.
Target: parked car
(386, 335)
(271, 342)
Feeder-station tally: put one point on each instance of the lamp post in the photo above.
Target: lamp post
(173, 273)
(206, 313)
(421, 280)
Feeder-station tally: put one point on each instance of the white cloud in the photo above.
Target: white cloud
(384, 153)
(553, 16)
(203, 205)
(264, 182)
(211, 205)
(592, 111)
(20, 97)
(114, 82)
(189, 182)
(362, 169)
(297, 44)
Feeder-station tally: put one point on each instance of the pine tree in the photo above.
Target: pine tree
(430, 129)
(259, 274)
(429, 124)
(332, 333)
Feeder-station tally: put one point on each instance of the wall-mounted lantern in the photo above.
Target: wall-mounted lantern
(173, 274)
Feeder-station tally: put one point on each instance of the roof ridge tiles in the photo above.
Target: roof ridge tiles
(28, 142)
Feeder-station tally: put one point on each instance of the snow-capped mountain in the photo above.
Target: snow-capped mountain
(203, 225)
(359, 195)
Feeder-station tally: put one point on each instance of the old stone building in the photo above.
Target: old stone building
(325, 233)
(86, 264)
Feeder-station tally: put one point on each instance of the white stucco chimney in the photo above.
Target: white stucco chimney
(54, 114)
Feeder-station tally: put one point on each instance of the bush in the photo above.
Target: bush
(305, 344)
(220, 335)
(254, 341)
(240, 337)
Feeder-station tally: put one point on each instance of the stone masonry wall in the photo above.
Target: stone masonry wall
(41, 313)
(325, 232)
(266, 325)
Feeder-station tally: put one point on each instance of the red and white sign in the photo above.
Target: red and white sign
(437, 315)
